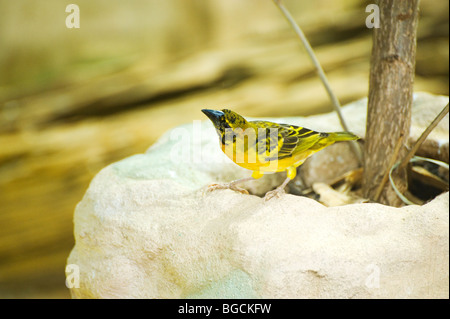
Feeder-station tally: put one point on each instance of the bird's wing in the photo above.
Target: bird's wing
(282, 140)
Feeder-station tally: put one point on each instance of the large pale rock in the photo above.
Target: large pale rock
(146, 228)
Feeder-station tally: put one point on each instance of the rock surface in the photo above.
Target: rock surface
(147, 228)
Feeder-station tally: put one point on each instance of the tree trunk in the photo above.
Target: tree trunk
(390, 96)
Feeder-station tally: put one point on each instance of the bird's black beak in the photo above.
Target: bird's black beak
(214, 116)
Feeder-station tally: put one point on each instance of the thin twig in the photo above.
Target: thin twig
(423, 137)
(391, 163)
(321, 73)
(411, 153)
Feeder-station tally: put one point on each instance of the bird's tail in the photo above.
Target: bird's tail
(343, 136)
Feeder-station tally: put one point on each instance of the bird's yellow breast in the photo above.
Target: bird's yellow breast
(250, 159)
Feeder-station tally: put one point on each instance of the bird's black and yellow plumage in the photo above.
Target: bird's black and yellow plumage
(263, 146)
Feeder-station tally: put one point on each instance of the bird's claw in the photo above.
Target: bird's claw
(231, 186)
(278, 192)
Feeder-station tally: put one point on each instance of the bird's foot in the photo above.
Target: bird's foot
(231, 186)
(277, 192)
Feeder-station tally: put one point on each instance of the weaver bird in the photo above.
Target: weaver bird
(267, 147)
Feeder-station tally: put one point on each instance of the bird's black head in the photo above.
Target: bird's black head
(218, 118)
(225, 119)
(225, 122)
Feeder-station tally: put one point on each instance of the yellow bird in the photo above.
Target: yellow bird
(267, 147)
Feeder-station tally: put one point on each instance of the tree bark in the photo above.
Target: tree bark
(390, 96)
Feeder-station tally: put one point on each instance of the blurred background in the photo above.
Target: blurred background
(75, 100)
